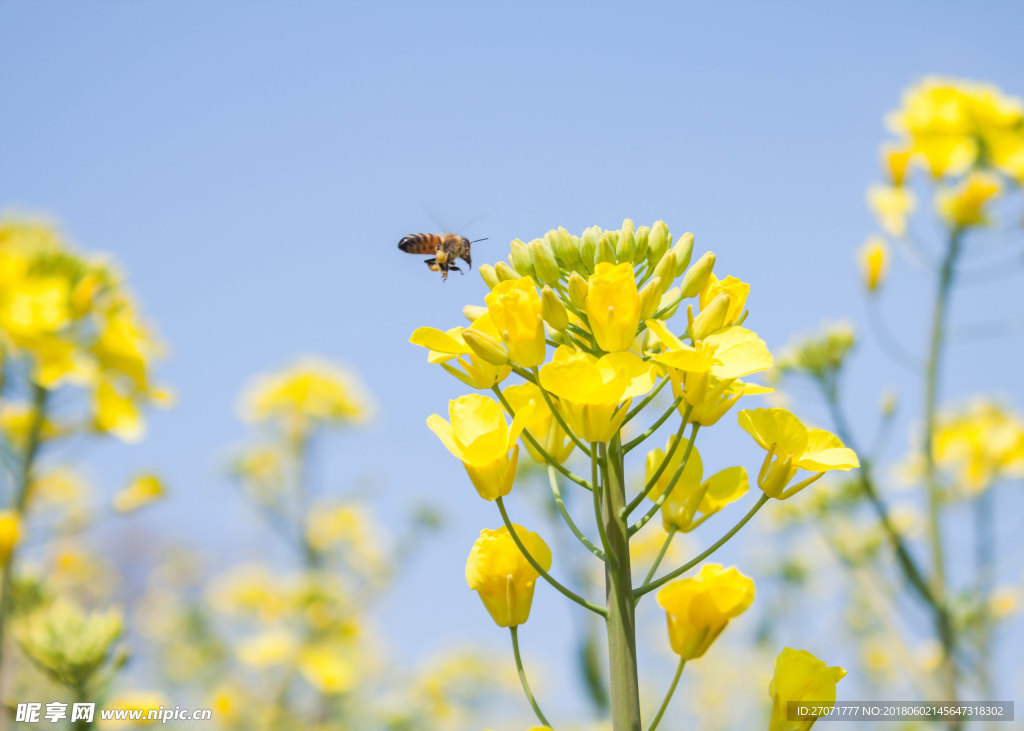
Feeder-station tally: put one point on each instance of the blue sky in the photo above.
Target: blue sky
(252, 165)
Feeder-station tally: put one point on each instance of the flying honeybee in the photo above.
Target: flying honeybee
(446, 248)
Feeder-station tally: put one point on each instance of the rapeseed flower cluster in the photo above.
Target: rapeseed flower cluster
(576, 340)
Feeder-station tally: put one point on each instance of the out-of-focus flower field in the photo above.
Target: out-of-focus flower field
(614, 396)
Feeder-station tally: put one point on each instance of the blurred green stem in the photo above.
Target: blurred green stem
(23, 480)
(946, 632)
(985, 550)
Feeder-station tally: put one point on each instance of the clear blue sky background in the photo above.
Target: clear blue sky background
(252, 166)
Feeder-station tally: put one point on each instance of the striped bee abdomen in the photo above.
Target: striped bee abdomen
(419, 243)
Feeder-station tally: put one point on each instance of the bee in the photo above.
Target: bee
(446, 248)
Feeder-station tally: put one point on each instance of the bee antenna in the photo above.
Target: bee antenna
(475, 240)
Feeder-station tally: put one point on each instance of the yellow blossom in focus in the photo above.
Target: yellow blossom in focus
(874, 262)
(539, 422)
(141, 491)
(445, 347)
(964, 205)
(501, 574)
(595, 393)
(700, 607)
(310, 391)
(516, 312)
(613, 306)
(800, 677)
(479, 436)
(793, 446)
(10, 531)
(692, 494)
(737, 291)
(891, 206)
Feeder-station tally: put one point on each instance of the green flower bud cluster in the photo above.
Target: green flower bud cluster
(821, 353)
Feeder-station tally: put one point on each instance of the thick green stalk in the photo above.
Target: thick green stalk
(23, 479)
(621, 618)
(945, 630)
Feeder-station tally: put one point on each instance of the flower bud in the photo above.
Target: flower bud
(472, 312)
(567, 248)
(485, 346)
(626, 247)
(696, 276)
(711, 318)
(650, 298)
(520, 258)
(605, 251)
(505, 272)
(588, 247)
(578, 289)
(666, 271)
(658, 242)
(553, 310)
(489, 275)
(627, 225)
(544, 264)
(642, 237)
(683, 251)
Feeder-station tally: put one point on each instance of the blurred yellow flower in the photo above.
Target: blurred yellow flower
(800, 677)
(891, 206)
(539, 422)
(874, 262)
(700, 607)
(133, 700)
(515, 310)
(502, 576)
(274, 646)
(692, 494)
(142, 490)
(980, 444)
(328, 668)
(793, 446)
(595, 393)
(479, 436)
(895, 159)
(613, 306)
(10, 532)
(964, 205)
(309, 392)
(69, 643)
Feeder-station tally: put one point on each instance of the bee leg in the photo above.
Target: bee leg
(431, 264)
(469, 262)
(454, 268)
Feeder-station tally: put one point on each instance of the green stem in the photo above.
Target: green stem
(536, 445)
(621, 616)
(514, 630)
(537, 567)
(668, 695)
(646, 400)
(652, 585)
(628, 447)
(671, 485)
(661, 553)
(553, 479)
(21, 488)
(663, 466)
(945, 629)
(984, 554)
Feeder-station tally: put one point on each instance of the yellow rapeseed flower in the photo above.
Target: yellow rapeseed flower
(141, 491)
(613, 306)
(10, 532)
(501, 574)
(447, 346)
(539, 422)
(891, 206)
(736, 289)
(595, 393)
(800, 677)
(793, 446)
(328, 667)
(964, 205)
(692, 494)
(700, 607)
(874, 262)
(516, 312)
(310, 391)
(479, 436)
